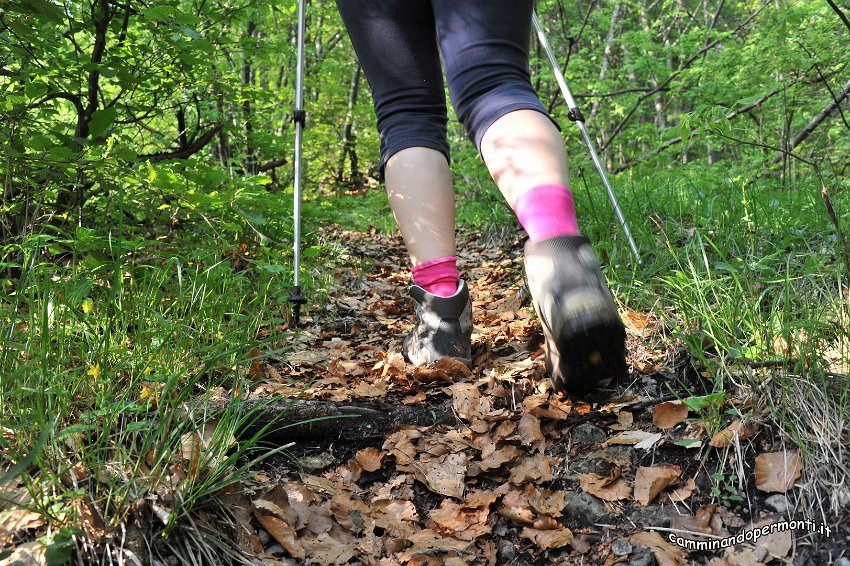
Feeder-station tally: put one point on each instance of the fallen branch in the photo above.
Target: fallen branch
(310, 419)
(606, 416)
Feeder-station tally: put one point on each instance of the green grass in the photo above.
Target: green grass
(748, 280)
(111, 351)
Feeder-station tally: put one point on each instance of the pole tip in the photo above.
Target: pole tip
(297, 299)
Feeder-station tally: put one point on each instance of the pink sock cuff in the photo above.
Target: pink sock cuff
(428, 264)
(438, 276)
(549, 193)
(547, 211)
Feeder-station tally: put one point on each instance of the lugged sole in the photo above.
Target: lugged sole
(589, 359)
(590, 349)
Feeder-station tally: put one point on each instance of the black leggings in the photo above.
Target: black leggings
(484, 44)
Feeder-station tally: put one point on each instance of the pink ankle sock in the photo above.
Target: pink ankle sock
(438, 276)
(547, 211)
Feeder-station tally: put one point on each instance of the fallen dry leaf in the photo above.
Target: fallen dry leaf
(639, 438)
(726, 436)
(454, 368)
(370, 459)
(607, 488)
(428, 542)
(398, 518)
(467, 401)
(499, 458)
(680, 494)
(334, 548)
(650, 481)
(18, 519)
(635, 321)
(669, 414)
(31, 553)
(545, 501)
(467, 520)
(779, 543)
(666, 553)
(776, 472)
(367, 390)
(444, 475)
(529, 431)
(400, 445)
(625, 421)
(648, 442)
(699, 523)
(255, 370)
(532, 468)
(548, 539)
(280, 531)
(514, 506)
(542, 407)
(444, 370)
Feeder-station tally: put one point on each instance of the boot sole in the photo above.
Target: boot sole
(590, 359)
(590, 350)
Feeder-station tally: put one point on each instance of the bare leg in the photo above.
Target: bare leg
(584, 334)
(523, 150)
(422, 198)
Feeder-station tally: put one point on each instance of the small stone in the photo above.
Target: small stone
(500, 530)
(621, 456)
(843, 561)
(652, 516)
(584, 509)
(778, 503)
(570, 479)
(317, 462)
(588, 433)
(507, 552)
(275, 550)
(642, 557)
(621, 547)
(264, 536)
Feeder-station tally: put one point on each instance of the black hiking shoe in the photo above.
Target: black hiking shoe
(443, 327)
(585, 338)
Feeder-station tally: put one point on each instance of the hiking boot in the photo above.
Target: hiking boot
(585, 338)
(443, 327)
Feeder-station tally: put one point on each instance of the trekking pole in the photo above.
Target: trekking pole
(299, 118)
(576, 116)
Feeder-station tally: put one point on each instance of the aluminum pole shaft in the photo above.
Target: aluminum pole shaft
(576, 116)
(299, 126)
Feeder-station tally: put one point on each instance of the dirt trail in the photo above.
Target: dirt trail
(505, 472)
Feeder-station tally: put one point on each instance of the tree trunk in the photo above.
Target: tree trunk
(74, 197)
(606, 59)
(348, 148)
(250, 163)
